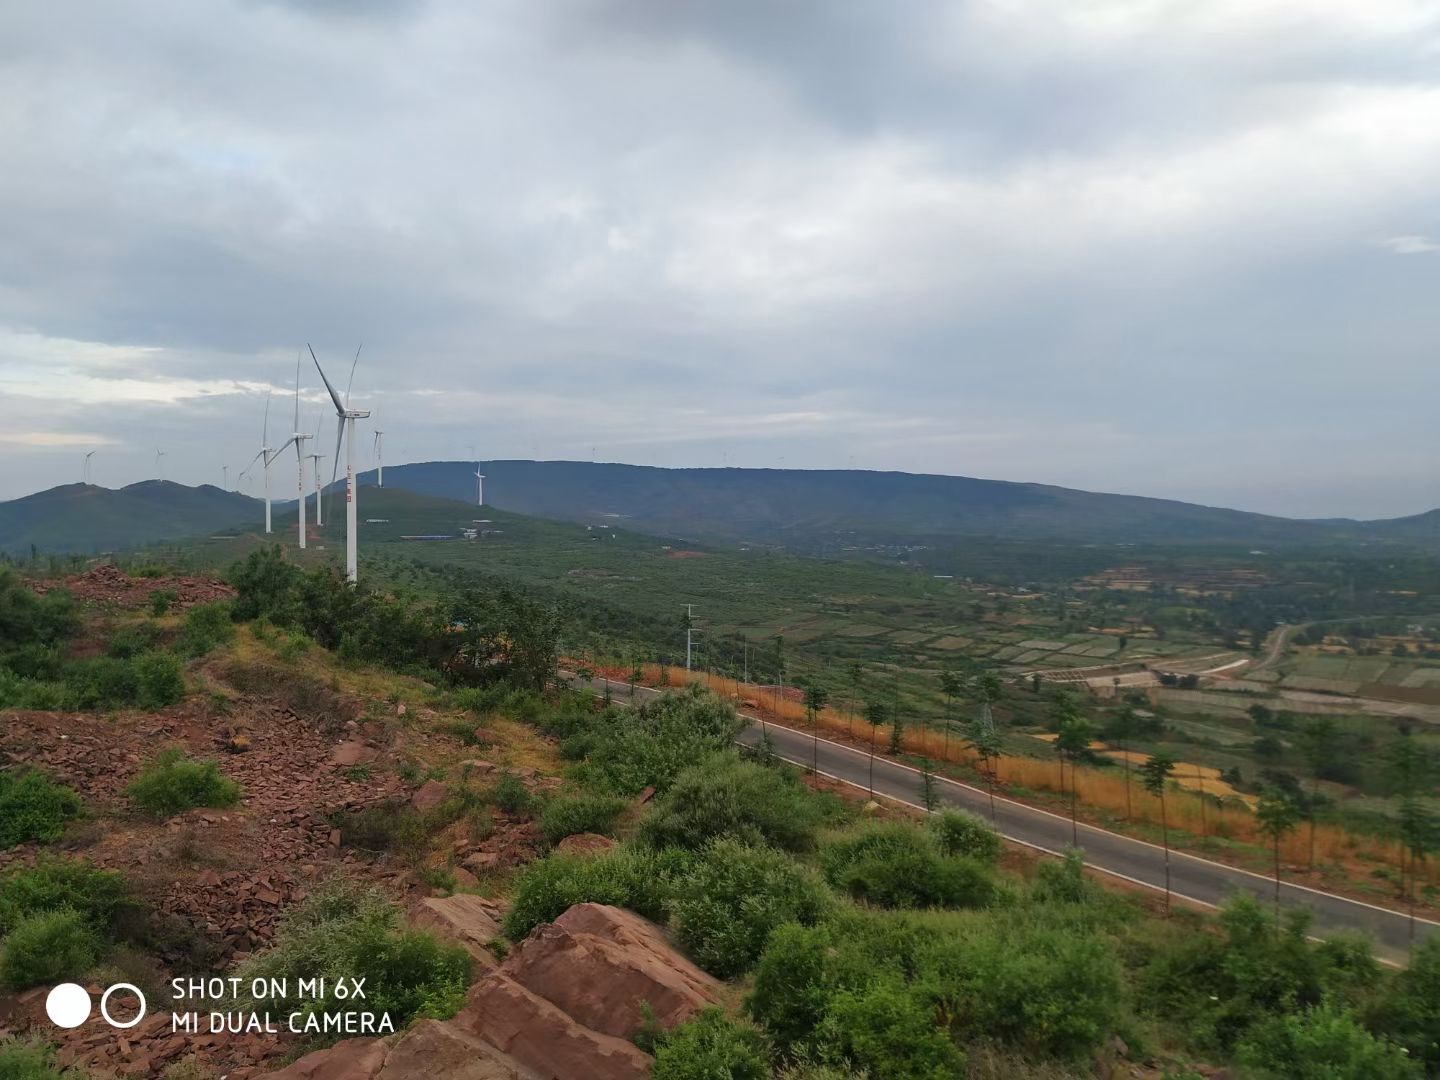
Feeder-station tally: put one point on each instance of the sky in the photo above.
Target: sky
(1147, 246)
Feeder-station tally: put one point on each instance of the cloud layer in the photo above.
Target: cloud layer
(1134, 245)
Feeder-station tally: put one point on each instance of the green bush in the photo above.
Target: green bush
(888, 1029)
(567, 815)
(1409, 1009)
(344, 932)
(160, 601)
(511, 794)
(206, 627)
(23, 1060)
(1323, 1043)
(734, 897)
(54, 884)
(1064, 882)
(640, 880)
(724, 795)
(159, 680)
(712, 1046)
(393, 825)
(33, 807)
(900, 866)
(172, 783)
(128, 642)
(626, 750)
(47, 947)
(959, 833)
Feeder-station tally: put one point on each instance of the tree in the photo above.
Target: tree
(1154, 774)
(1319, 742)
(1419, 836)
(1063, 708)
(1409, 770)
(636, 674)
(857, 676)
(950, 685)
(1071, 744)
(875, 714)
(1124, 725)
(928, 793)
(987, 688)
(1277, 815)
(816, 698)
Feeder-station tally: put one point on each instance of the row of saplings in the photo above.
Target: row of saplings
(894, 949)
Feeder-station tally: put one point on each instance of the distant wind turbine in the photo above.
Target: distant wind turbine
(225, 472)
(315, 459)
(479, 486)
(345, 432)
(379, 453)
(266, 456)
(160, 463)
(298, 437)
(88, 456)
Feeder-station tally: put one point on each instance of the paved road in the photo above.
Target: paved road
(1192, 878)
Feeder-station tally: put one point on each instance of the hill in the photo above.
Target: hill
(810, 508)
(87, 518)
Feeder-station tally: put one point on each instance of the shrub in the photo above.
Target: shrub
(511, 794)
(1064, 882)
(159, 680)
(344, 932)
(727, 796)
(1409, 1011)
(27, 1061)
(128, 642)
(1323, 1043)
(206, 627)
(47, 947)
(637, 879)
(959, 833)
(584, 813)
(900, 866)
(33, 807)
(709, 1046)
(627, 750)
(889, 1030)
(394, 825)
(160, 601)
(53, 884)
(172, 783)
(727, 906)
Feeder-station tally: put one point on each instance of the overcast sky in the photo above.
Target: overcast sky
(1169, 248)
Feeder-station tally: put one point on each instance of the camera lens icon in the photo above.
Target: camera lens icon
(68, 1005)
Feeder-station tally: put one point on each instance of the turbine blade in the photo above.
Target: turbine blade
(298, 355)
(339, 434)
(352, 375)
(245, 471)
(339, 408)
(265, 431)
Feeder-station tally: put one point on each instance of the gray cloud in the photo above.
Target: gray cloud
(1142, 247)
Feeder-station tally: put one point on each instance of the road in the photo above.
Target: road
(1191, 877)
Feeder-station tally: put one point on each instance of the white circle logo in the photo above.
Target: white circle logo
(68, 1005)
(105, 1001)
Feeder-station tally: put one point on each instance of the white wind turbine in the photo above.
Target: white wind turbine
(266, 456)
(160, 463)
(315, 459)
(298, 437)
(479, 486)
(225, 472)
(88, 456)
(345, 431)
(379, 453)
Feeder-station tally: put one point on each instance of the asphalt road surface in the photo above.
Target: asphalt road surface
(1191, 878)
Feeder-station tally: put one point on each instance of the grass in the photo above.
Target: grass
(172, 783)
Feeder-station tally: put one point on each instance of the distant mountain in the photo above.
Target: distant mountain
(86, 518)
(803, 508)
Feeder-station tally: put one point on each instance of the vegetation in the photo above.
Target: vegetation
(171, 782)
(579, 813)
(900, 866)
(345, 932)
(55, 920)
(33, 807)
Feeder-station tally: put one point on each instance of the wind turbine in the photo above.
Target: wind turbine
(315, 459)
(479, 486)
(88, 456)
(225, 472)
(159, 463)
(345, 431)
(379, 453)
(265, 457)
(298, 437)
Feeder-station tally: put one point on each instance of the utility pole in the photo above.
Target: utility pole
(689, 633)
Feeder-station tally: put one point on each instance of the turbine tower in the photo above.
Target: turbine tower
(225, 472)
(345, 431)
(266, 456)
(298, 437)
(88, 456)
(379, 453)
(160, 463)
(479, 486)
